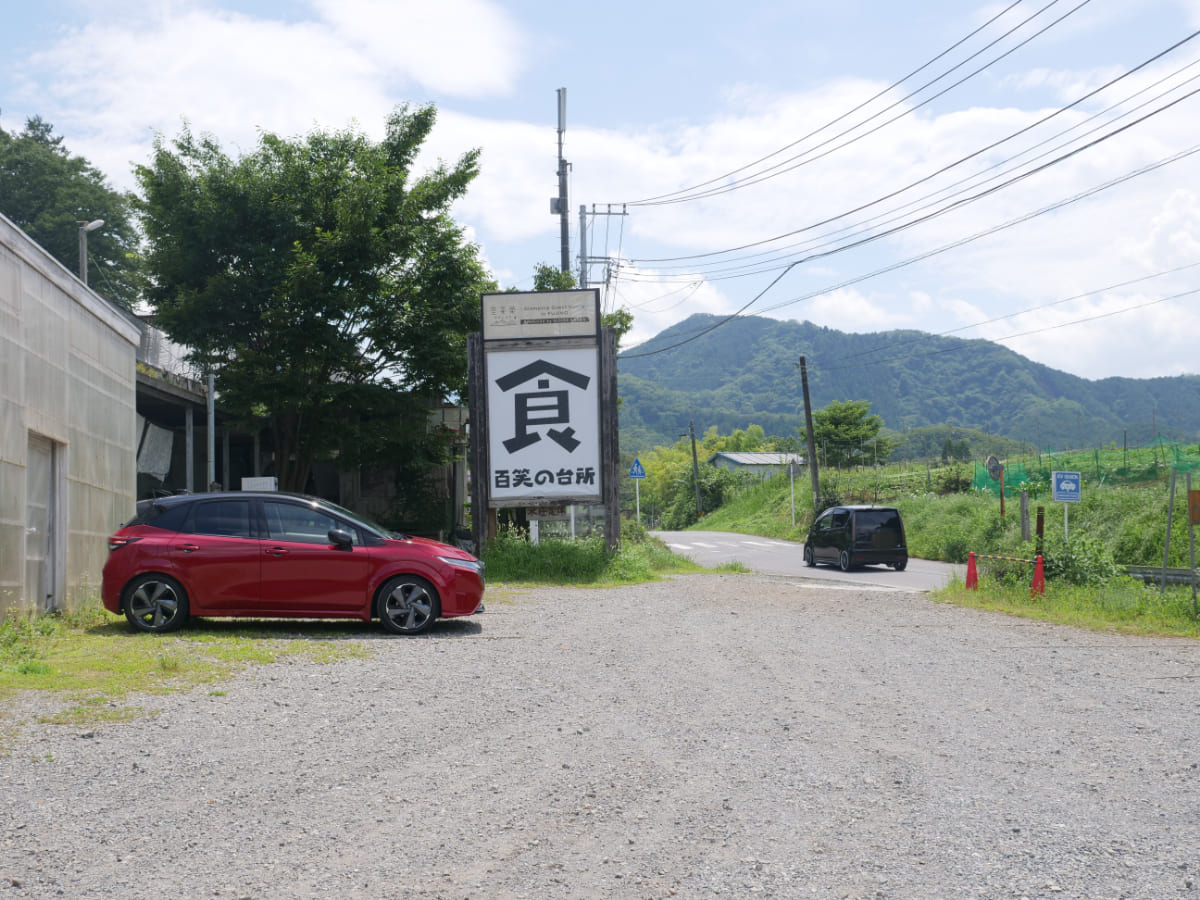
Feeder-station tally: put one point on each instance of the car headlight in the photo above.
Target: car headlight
(471, 565)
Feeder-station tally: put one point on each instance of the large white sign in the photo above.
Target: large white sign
(544, 423)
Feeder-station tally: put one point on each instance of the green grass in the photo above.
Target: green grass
(1123, 606)
(94, 662)
(510, 558)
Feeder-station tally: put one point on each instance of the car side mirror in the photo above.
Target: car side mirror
(341, 538)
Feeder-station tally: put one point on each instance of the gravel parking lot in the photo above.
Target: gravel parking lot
(706, 736)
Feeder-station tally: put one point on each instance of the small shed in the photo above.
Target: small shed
(765, 465)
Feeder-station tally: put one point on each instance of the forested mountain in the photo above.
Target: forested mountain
(747, 372)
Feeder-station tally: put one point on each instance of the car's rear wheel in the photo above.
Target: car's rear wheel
(156, 603)
(408, 604)
(844, 561)
(809, 559)
(900, 565)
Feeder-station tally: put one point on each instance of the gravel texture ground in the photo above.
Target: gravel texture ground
(706, 736)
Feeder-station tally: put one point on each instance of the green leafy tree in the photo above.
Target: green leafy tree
(955, 450)
(547, 278)
(847, 434)
(48, 193)
(324, 284)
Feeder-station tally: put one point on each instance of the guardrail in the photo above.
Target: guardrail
(1154, 574)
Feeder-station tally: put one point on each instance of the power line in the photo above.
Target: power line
(872, 236)
(928, 254)
(674, 196)
(943, 169)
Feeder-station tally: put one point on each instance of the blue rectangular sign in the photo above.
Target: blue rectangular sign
(1065, 487)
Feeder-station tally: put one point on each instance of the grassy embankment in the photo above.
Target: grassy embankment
(1121, 520)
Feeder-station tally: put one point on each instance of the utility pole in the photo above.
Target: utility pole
(559, 204)
(695, 468)
(584, 259)
(812, 443)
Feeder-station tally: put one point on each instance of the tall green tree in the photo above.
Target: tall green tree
(847, 434)
(323, 283)
(49, 192)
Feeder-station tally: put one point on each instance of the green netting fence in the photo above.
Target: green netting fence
(1109, 465)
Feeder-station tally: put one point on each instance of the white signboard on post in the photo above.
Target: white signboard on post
(541, 314)
(544, 425)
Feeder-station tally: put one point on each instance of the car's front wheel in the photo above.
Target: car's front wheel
(408, 604)
(156, 603)
(844, 561)
(809, 559)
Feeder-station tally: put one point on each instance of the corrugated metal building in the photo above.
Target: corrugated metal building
(68, 423)
(762, 464)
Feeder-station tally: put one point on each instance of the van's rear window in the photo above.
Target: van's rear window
(870, 520)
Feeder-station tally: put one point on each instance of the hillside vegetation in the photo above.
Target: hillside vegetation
(746, 372)
(952, 510)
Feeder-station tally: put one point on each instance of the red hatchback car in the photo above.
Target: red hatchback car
(271, 555)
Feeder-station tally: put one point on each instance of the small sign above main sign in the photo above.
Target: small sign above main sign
(541, 314)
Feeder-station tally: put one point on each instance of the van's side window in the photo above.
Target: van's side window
(839, 519)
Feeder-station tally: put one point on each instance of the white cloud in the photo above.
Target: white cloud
(405, 38)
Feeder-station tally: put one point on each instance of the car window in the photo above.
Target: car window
(170, 518)
(872, 520)
(227, 518)
(839, 519)
(302, 524)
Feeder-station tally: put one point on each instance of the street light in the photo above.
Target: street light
(84, 228)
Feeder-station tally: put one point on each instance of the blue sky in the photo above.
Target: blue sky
(1080, 257)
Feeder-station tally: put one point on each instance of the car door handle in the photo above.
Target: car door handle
(189, 548)
(276, 552)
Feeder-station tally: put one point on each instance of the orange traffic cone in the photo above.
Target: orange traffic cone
(1039, 578)
(972, 575)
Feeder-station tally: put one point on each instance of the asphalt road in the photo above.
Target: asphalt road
(768, 556)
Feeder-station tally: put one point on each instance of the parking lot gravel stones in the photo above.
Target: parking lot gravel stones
(705, 736)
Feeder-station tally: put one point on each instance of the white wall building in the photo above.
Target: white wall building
(68, 428)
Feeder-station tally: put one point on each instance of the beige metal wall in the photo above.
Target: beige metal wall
(67, 374)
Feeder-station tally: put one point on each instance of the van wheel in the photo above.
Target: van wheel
(900, 564)
(844, 561)
(809, 559)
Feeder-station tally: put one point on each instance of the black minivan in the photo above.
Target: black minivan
(850, 536)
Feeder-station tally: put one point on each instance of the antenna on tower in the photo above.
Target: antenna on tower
(558, 205)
